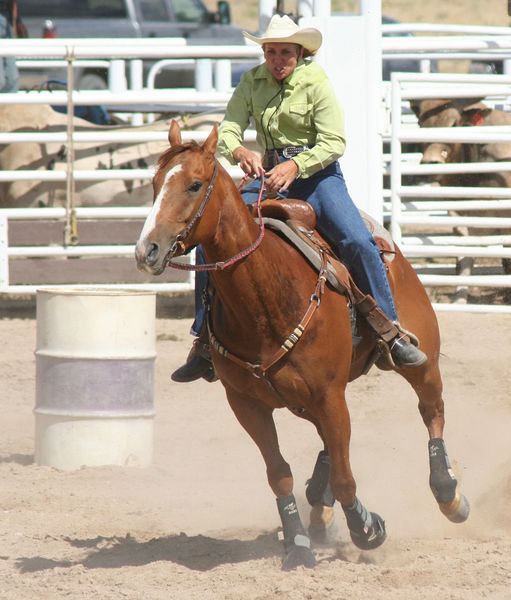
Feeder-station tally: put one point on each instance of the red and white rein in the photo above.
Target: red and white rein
(220, 265)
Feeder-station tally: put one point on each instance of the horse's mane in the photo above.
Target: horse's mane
(174, 150)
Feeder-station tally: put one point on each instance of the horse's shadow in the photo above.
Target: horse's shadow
(198, 552)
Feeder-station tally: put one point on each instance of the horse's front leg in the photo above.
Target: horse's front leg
(367, 529)
(257, 420)
(427, 384)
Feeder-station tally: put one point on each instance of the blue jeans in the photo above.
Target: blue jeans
(340, 222)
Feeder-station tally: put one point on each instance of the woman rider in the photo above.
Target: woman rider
(299, 124)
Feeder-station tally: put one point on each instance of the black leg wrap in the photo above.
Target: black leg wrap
(367, 529)
(291, 522)
(441, 479)
(296, 541)
(318, 486)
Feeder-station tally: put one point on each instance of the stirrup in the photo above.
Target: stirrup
(413, 338)
(389, 350)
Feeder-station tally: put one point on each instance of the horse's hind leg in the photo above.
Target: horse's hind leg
(427, 383)
(322, 528)
(257, 420)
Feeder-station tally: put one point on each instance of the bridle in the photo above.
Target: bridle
(220, 265)
(178, 243)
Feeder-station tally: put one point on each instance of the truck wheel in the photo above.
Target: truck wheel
(90, 81)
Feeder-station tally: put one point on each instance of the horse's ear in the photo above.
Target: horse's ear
(174, 133)
(212, 140)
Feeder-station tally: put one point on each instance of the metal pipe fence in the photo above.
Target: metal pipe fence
(414, 206)
(407, 206)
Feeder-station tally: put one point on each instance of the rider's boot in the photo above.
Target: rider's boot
(402, 346)
(404, 353)
(198, 364)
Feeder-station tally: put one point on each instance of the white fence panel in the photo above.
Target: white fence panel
(65, 251)
(70, 53)
(407, 206)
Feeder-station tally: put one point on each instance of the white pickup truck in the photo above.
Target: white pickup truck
(189, 19)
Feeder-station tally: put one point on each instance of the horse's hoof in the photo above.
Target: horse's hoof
(457, 510)
(299, 556)
(374, 537)
(322, 527)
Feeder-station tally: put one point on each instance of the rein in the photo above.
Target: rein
(220, 265)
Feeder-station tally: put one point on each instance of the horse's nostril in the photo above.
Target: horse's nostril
(152, 253)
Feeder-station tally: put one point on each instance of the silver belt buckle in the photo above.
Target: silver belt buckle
(291, 151)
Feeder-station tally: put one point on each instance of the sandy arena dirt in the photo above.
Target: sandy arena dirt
(202, 523)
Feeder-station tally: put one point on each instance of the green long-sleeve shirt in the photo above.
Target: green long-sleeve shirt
(301, 110)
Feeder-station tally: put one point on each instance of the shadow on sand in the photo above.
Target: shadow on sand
(198, 552)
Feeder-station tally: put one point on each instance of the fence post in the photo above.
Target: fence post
(223, 75)
(395, 162)
(70, 229)
(266, 11)
(117, 76)
(136, 69)
(323, 8)
(203, 75)
(4, 253)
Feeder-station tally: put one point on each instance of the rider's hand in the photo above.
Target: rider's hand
(281, 176)
(250, 162)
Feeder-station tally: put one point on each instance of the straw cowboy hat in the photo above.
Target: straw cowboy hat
(284, 30)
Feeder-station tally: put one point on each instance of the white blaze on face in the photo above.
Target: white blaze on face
(150, 222)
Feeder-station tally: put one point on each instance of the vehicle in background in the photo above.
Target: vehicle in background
(189, 19)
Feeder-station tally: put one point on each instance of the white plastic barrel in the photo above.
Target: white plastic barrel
(95, 354)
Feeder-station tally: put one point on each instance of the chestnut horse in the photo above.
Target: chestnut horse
(259, 298)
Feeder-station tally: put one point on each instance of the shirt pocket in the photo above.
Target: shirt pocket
(301, 112)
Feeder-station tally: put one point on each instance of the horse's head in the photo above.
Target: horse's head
(182, 185)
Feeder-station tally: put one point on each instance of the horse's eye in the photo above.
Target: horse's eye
(195, 187)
